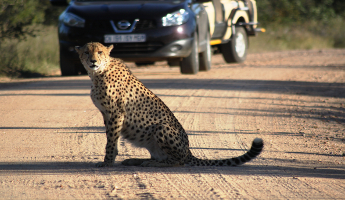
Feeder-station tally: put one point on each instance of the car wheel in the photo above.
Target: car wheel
(205, 57)
(67, 67)
(190, 64)
(142, 64)
(235, 51)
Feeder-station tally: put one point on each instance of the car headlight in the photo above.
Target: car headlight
(72, 20)
(176, 18)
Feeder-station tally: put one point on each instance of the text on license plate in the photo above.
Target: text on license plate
(124, 38)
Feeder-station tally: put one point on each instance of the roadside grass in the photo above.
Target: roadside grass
(33, 57)
(39, 56)
(308, 35)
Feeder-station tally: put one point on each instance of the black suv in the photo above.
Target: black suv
(141, 31)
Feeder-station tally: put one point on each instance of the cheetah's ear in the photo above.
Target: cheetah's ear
(77, 49)
(110, 48)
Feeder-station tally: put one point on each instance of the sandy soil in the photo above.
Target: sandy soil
(52, 134)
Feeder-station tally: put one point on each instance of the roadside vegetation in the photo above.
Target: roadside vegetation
(31, 57)
(300, 24)
(28, 38)
(311, 34)
(29, 46)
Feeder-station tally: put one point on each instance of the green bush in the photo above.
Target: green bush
(297, 11)
(17, 17)
(28, 42)
(300, 24)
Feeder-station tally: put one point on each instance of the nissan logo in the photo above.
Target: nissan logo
(123, 24)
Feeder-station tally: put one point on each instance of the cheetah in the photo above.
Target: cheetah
(131, 110)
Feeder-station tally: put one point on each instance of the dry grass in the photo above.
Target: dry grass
(35, 56)
(309, 35)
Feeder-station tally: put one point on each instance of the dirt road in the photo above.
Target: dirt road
(52, 134)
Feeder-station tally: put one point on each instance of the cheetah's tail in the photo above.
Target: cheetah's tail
(254, 151)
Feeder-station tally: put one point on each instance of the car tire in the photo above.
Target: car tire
(235, 51)
(143, 64)
(190, 64)
(67, 67)
(205, 57)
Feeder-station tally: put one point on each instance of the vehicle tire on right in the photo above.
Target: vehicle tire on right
(235, 51)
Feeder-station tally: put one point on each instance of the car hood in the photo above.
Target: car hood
(125, 9)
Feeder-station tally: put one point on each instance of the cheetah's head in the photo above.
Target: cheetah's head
(94, 56)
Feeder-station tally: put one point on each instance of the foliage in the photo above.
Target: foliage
(22, 56)
(18, 16)
(301, 24)
(292, 11)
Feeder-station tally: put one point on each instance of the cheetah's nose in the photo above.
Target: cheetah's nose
(93, 61)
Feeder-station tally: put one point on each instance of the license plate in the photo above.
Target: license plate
(123, 38)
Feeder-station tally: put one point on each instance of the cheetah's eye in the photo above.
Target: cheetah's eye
(86, 52)
(100, 52)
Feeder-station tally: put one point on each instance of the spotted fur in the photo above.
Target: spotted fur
(131, 110)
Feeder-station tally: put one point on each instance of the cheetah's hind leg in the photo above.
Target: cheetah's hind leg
(134, 161)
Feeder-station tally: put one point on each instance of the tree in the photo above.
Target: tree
(18, 16)
(15, 16)
(287, 11)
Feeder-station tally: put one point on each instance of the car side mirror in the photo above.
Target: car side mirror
(58, 2)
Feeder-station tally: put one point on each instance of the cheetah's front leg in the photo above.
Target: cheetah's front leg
(113, 123)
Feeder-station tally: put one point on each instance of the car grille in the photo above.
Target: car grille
(135, 48)
(98, 25)
(106, 26)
